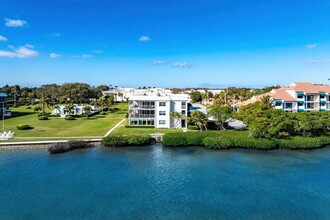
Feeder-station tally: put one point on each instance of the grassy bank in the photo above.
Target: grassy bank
(58, 128)
(241, 139)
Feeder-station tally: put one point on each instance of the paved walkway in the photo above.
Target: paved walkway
(116, 126)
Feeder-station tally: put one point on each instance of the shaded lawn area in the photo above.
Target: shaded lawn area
(58, 127)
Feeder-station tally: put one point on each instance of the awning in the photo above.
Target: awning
(300, 93)
(301, 110)
(278, 101)
(323, 102)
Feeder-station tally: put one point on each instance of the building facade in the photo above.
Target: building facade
(3, 103)
(156, 110)
(298, 97)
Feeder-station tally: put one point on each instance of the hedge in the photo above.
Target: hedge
(130, 140)
(68, 146)
(222, 140)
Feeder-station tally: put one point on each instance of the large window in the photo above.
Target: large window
(162, 113)
(162, 122)
(162, 103)
(309, 98)
(288, 105)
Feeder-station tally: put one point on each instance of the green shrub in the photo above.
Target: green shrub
(195, 139)
(304, 142)
(69, 118)
(130, 140)
(139, 140)
(193, 128)
(24, 127)
(115, 141)
(216, 142)
(103, 113)
(175, 139)
(28, 107)
(43, 118)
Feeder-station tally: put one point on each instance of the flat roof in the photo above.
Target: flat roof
(158, 98)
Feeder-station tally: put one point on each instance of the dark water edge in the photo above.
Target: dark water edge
(167, 183)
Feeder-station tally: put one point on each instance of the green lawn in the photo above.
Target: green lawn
(122, 130)
(58, 127)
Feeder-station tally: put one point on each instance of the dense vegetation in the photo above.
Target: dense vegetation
(266, 122)
(68, 146)
(129, 140)
(240, 139)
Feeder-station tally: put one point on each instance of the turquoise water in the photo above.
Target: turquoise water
(167, 183)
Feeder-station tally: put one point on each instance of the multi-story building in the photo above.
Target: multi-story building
(155, 110)
(124, 94)
(3, 104)
(298, 97)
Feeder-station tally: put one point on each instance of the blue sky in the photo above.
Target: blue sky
(173, 43)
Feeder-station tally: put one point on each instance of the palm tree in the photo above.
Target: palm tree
(44, 102)
(176, 116)
(69, 107)
(267, 101)
(198, 118)
(102, 102)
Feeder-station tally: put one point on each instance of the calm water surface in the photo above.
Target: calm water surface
(167, 183)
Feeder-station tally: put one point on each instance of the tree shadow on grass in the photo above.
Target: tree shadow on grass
(18, 114)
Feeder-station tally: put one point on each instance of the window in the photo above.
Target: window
(278, 103)
(288, 105)
(300, 96)
(162, 113)
(183, 112)
(322, 104)
(300, 104)
(162, 122)
(322, 96)
(162, 103)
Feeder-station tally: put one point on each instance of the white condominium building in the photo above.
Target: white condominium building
(124, 94)
(155, 110)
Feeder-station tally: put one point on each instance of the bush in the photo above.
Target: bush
(304, 142)
(193, 128)
(195, 139)
(93, 114)
(103, 113)
(24, 127)
(130, 140)
(69, 118)
(175, 139)
(68, 146)
(139, 140)
(216, 142)
(115, 141)
(29, 107)
(43, 118)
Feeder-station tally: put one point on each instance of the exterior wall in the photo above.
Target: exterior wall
(166, 117)
(153, 113)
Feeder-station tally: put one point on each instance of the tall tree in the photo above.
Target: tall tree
(199, 119)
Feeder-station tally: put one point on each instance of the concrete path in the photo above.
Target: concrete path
(116, 126)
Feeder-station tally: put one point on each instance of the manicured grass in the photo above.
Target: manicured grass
(122, 130)
(58, 127)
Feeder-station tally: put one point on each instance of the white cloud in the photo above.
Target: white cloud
(98, 51)
(159, 62)
(21, 52)
(315, 62)
(182, 65)
(15, 23)
(86, 56)
(54, 55)
(144, 38)
(2, 38)
(29, 46)
(311, 46)
(56, 35)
